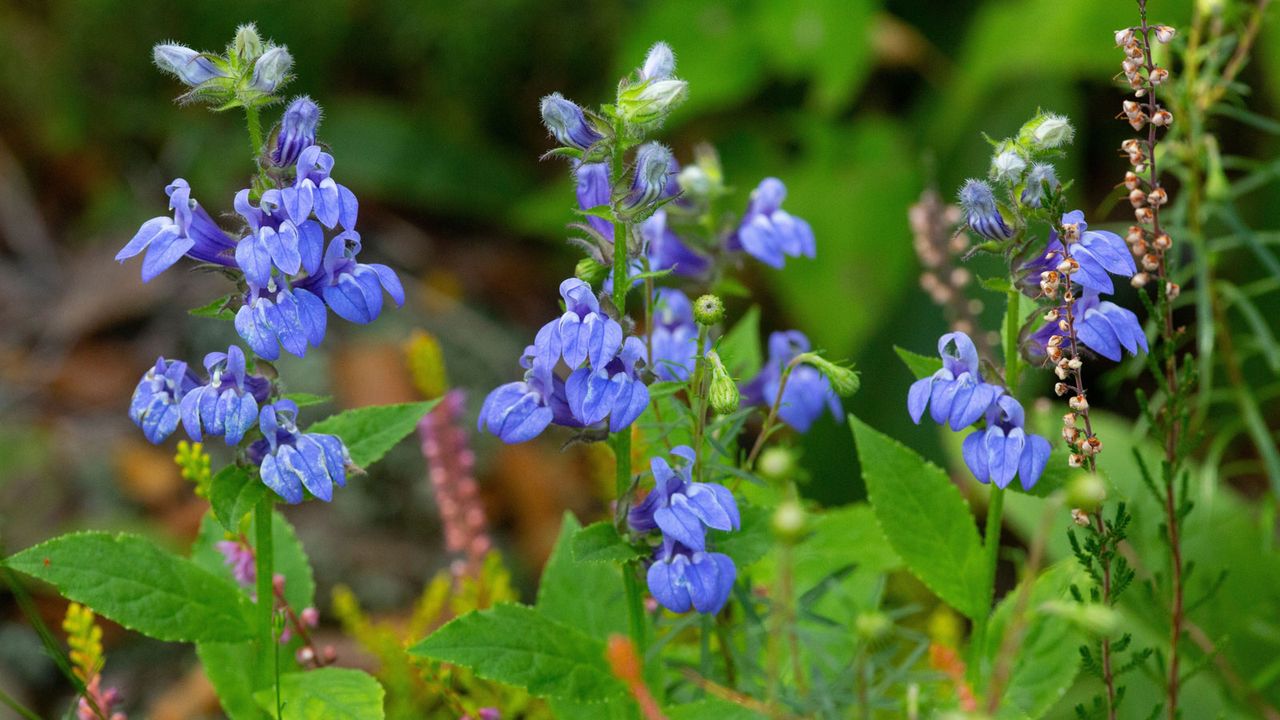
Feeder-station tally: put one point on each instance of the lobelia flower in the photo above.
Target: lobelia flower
(674, 339)
(275, 241)
(981, 212)
(297, 131)
(681, 508)
(955, 394)
(277, 316)
(189, 66)
(808, 391)
(593, 191)
(1004, 449)
(520, 411)
(584, 332)
(315, 191)
(156, 400)
(614, 391)
(292, 460)
(666, 251)
(191, 232)
(652, 177)
(767, 232)
(1102, 326)
(1041, 174)
(228, 404)
(681, 578)
(1098, 252)
(353, 290)
(567, 123)
(271, 69)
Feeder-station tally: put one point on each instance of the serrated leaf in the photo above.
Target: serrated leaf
(130, 580)
(925, 518)
(370, 432)
(517, 645)
(1047, 656)
(236, 672)
(308, 399)
(749, 544)
(919, 365)
(740, 347)
(600, 542)
(587, 596)
(233, 493)
(325, 693)
(219, 309)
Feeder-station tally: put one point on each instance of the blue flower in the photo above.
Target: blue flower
(292, 460)
(297, 131)
(353, 290)
(680, 579)
(955, 394)
(613, 390)
(315, 191)
(275, 241)
(808, 391)
(1041, 174)
(674, 338)
(1098, 252)
(767, 232)
(666, 251)
(279, 316)
(681, 508)
(1004, 449)
(228, 404)
(156, 400)
(584, 332)
(659, 63)
(520, 411)
(981, 212)
(567, 123)
(189, 232)
(189, 66)
(652, 177)
(593, 191)
(1102, 326)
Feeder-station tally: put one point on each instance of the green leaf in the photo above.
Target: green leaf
(219, 309)
(130, 580)
(996, 284)
(236, 671)
(919, 365)
(1047, 657)
(233, 493)
(924, 517)
(749, 544)
(585, 595)
(290, 558)
(600, 542)
(517, 645)
(325, 693)
(711, 709)
(740, 347)
(302, 399)
(370, 432)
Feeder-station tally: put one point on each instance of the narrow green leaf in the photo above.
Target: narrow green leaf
(233, 493)
(517, 645)
(130, 580)
(740, 346)
(919, 365)
(925, 518)
(600, 542)
(585, 595)
(749, 544)
(370, 432)
(996, 284)
(219, 309)
(325, 693)
(308, 399)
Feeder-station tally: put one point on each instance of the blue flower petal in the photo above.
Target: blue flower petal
(666, 583)
(166, 248)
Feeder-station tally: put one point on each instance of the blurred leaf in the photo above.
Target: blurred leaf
(290, 558)
(308, 399)
(711, 709)
(585, 595)
(325, 693)
(130, 580)
(740, 346)
(919, 365)
(236, 671)
(233, 493)
(925, 518)
(520, 646)
(370, 432)
(600, 542)
(219, 309)
(827, 41)
(749, 544)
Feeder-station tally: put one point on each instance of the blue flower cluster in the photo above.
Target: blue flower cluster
(957, 396)
(290, 278)
(767, 232)
(602, 382)
(674, 337)
(1102, 326)
(808, 391)
(684, 573)
(292, 460)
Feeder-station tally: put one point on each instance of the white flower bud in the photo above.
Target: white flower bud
(1008, 166)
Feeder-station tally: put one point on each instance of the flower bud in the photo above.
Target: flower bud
(843, 380)
(1139, 279)
(1162, 118)
(1008, 166)
(1137, 197)
(1172, 290)
(1042, 175)
(1047, 131)
(1164, 33)
(789, 521)
(646, 106)
(248, 45)
(567, 123)
(1135, 235)
(271, 70)
(310, 617)
(653, 166)
(1159, 76)
(981, 212)
(591, 272)
(1124, 37)
(723, 393)
(1075, 460)
(872, 626)
(777, 463)
(694, 181)
(1060, 389)
(1078, 403)
(1144, 215)
(297, 131)
(708, 310)
(189, 66)
(1079, 517)
(659, 64)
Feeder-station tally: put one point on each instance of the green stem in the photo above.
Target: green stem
(17, 707)
(253, 120)
(698, 398)
(264, 555)
(1012, 321)
(991, 556)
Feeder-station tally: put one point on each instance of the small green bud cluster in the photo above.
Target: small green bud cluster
(248, 74)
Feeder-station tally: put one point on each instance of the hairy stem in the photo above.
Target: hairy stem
(263, 557)
(253, 121)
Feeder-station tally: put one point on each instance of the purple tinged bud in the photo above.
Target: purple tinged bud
(653, 163)
(297, 131)
(189, 66)
(567, 122)
(1041, 174)
(981, 212)
(659, 64)
(271, 70)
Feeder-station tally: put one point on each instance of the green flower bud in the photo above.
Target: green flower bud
(1046, 131)
(872, 626)
(708, 310)
(1094, 618)
(1086, 491)
(591, 272)
(248, 45)
(777, 463)
(789, 521)
(844, 380)
(723, 393)
(645, 106)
